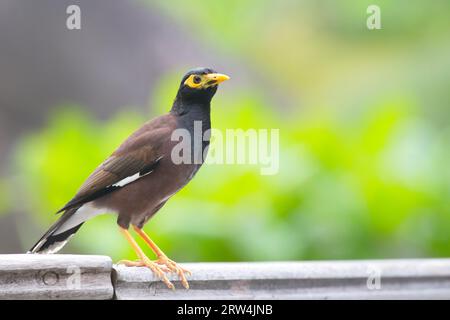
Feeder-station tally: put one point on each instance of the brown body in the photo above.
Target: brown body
(152, 191)
(139, 200)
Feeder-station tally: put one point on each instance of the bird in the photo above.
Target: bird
(143, 173)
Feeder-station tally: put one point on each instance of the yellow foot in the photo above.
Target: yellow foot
(174, 267)
(155, 268)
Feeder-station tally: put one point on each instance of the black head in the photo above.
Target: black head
(199, 85)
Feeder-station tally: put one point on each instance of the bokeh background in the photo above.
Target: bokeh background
(363, 118)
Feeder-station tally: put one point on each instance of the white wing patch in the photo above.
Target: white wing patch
(134, 177)
(127, 180)
(130, 179)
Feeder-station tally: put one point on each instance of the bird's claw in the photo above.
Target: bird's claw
(158, 270)
(172, 266)
(131, 263)
(161, 266)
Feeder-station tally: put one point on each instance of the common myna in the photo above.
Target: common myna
(142, 174)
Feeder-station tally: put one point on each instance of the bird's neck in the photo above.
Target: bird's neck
(196, 119)
(189, 115)
(190, 110)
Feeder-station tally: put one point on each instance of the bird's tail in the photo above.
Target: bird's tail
(59, 233)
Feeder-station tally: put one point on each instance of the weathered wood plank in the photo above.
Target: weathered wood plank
(381, 279)
(35, 276)
(89, 277)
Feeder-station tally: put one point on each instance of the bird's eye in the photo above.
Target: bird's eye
(197, 79)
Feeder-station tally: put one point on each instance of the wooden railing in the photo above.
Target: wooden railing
(95, 277)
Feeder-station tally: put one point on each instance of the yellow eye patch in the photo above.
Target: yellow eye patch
(195, 81)
(202, 81)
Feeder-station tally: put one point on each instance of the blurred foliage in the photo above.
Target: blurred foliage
(320, 53)
(367, 188)
(363, 118)
(4, 197)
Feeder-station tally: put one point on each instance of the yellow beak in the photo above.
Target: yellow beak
(217, 77)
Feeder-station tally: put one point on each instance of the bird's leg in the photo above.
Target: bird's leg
(163, 259)
(144, 261)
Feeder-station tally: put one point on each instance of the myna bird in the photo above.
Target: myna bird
(141, 175)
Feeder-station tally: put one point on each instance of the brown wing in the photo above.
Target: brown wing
(137, 156)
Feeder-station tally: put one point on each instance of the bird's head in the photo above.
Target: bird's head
(200, 85)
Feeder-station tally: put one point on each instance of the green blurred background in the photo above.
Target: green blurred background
(363, 118)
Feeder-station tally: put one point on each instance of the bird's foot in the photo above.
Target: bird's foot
(155, 267)
(172, 266)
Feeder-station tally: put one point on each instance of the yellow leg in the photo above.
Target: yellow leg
(163, 259)
(144, 261)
